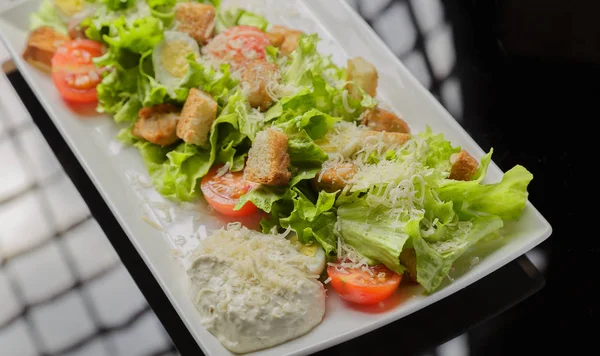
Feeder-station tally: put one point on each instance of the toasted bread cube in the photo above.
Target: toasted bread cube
(334, 178)
(196, 119)
(382, 120)
(76, 30)
(464, 166)
(275, 39)
(408, 258)
(361, 74)
(42, 43)
(290, 41)
(195, 19)
(256, 77)
(157, 124)
(389, 139)
(268, 159)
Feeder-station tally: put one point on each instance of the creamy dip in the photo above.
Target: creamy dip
(254, 290)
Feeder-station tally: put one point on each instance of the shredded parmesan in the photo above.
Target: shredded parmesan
(348, 257)
(345, 102)
(223, 170)
(261, 258)
(151, 223)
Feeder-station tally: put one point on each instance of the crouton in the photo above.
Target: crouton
(256, 77)
(76, 30)
(42, 43)
(334, 178)
(290, 38)
(408, 258)
(268, 159)
(463, 166)
(195, 19)
(382, 120)
(389, 139)
(275, 39)
(361, 74)
(196, 118)
(157, 124)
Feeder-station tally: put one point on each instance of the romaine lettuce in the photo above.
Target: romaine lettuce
(47, 15)
(406, 201)
(231, 17)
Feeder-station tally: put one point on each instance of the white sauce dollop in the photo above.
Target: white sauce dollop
(254, 290)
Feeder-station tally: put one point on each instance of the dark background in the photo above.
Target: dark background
(529, 72)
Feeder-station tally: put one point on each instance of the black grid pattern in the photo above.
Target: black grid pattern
(372, 11)
(10, 135)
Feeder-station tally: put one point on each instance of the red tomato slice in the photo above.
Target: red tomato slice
(73, 72)
(223, 192)
(358, 286)
(239, 44)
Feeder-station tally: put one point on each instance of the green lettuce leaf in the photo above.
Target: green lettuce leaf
(312, 221)
(265, 197)
(47, 15)
(505, 199)
(321, 83)
(304, 152)
(217, 83)
(116, 89)
(439, 150)
(175, 171)
(434, 259)
(116, 5)
(377, 233)
(314, 122)
(231, 17)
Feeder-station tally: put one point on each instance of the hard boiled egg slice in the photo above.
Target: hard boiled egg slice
(315, 256)
(68, 8)
(169, 58)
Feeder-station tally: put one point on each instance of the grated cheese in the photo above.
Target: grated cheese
(223, 170)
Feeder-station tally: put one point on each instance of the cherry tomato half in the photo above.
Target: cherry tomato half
(239, 44)
(362, 287)
(73, 72)
(222, 192)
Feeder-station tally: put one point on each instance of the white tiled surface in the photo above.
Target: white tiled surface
(440, 51)
(396, 28)
(114, 308)
(62, 321)
(9, 304)
(65, 215)
(97, 347)
(24, 223)
(13, 178)
(415, 62)
(371, 8)
(14, 110)
(43, 161)
(16, 340)
(60, 279)
(452, 97)
(41, 273)
(429, 13)
(141, 339)
(89, 249)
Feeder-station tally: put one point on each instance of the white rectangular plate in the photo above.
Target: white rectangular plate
(163, 232)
